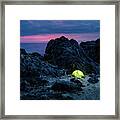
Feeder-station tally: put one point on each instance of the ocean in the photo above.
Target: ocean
(34, 47)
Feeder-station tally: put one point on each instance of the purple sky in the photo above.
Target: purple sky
(47, 37)
(36, 31)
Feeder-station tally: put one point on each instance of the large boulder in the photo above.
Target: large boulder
(69, 55)
(92, 49)
(32, 65)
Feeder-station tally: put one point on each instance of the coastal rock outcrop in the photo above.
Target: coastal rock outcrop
(49, 77)
(92, 49)
(32, 65)
(68, 55)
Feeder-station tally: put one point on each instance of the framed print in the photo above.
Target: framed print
(60, 60)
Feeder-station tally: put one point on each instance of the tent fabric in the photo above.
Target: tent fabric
(78, 74)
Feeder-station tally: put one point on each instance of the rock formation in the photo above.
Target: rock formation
(68, 55)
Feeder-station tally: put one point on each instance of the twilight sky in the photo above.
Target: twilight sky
(35, 31)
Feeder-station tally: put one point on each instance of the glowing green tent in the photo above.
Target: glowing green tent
(78, 74)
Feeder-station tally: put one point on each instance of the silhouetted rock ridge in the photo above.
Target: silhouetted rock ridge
(69, 55)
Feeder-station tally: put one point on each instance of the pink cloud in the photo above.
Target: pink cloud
(46, 37)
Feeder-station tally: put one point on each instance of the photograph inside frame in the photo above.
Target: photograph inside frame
(59, 59)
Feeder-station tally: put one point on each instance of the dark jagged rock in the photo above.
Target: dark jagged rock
(65, 86)
(32, 65)
(77, 81)
(92, 49)
(23, 52)
(43, 89)
(61, 87)
(35, 54)
(45, 78)
(69, 55)
(93, 80)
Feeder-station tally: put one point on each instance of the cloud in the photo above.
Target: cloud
(35, 27)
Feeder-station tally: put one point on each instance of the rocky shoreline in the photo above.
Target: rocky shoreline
(49, 77)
